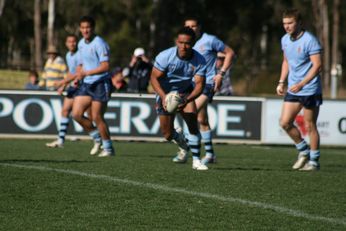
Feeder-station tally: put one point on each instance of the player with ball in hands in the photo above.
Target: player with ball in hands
(174, 70)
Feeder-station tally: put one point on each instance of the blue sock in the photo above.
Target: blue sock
(175, 136)
(95, 135)
(63, 129)
(314, 155)
(208, 145)
(107, 145)
(195, 145)
(303, 147)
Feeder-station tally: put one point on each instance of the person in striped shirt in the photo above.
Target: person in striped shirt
(54, 70)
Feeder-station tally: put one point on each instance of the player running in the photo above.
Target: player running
(207, 45)
(174, 69)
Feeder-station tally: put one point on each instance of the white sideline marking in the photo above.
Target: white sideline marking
(279, 209)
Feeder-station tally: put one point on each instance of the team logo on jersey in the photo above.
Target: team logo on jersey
(171, 67)
(191, 70)
(299, 50)
(201, 48)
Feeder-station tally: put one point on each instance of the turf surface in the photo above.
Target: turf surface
(250, 188)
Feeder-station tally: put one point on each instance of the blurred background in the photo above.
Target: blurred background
(252, 28)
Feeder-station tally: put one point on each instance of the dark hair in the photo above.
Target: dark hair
(117, 70)
(33, 73)
(89, 20)
(72, 35)
(187, 31)
(292, 13)
(193, 18)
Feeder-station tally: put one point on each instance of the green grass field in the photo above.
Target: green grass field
(250, 188)
(13, 79)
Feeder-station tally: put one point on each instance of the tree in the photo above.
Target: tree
(38, 37)
(2, 4)
(50, 27)
(320, 9)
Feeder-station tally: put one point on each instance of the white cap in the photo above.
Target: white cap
(138, 51)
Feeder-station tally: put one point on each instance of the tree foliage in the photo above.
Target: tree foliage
(252, 27)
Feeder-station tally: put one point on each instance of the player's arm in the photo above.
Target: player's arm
(103, 67)
(283, 76)
(314, 70)
(156, 74)
(197, 91)
(229, 58)
(69, 77)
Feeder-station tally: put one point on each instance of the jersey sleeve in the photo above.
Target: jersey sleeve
(314, 47)
(201, 68)
(161, 62)
(102, 51)
(217, 45)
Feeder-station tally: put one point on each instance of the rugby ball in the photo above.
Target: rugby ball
(173, 99)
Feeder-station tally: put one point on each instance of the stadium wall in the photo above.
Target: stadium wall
(36, 114)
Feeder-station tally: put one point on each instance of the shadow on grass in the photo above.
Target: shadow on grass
(43, 161)
(250, 169)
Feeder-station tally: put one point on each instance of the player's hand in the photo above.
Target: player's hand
(61, 90)
(76, 83)
(163, 99)
(218, 82)
(80, 75)
(280, 89)
(58, 84)
(296, 87)
(182, 104)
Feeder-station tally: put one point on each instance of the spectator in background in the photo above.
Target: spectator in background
(33, 81)
(139, 72)
(54, 70)
(118, 82)
(226, 86)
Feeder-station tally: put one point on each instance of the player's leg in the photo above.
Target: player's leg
(80, 105)
(166, 126)
(65, 114)
(204, 127)
(97, 113)
(94, 135)
(64, 122)
(288, 114)
(101, 93)
(310, 122)
(189, 115)
(170, 134)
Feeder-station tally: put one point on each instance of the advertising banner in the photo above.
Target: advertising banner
(331, 123)
(129, 116)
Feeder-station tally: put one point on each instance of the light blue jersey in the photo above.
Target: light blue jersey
(91, 55)
(72, 60)
(179, 72)
(298, 54)
(208, 45)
